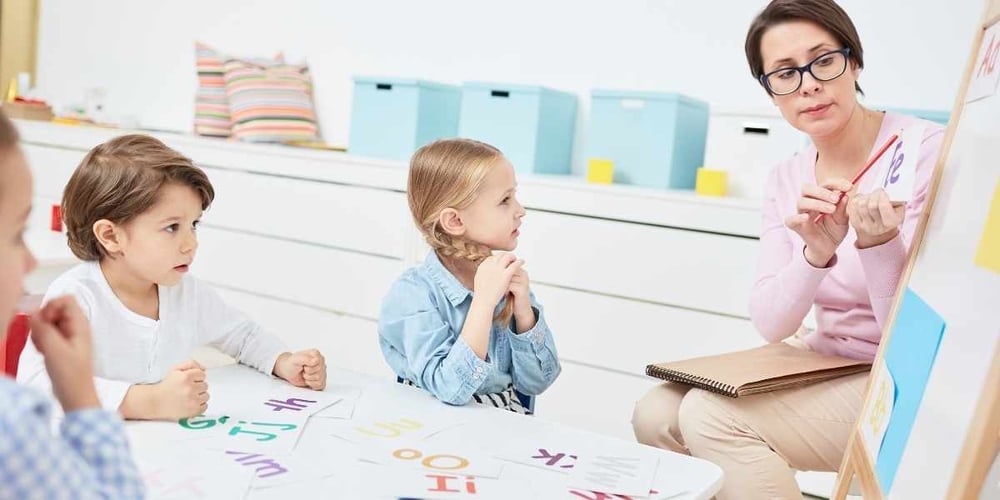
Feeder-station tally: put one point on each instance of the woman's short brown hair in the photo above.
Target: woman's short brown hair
(824, 13)
(119, 180)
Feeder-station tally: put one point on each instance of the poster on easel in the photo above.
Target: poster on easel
(938, 435)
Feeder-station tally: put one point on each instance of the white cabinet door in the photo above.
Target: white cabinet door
(336, 280)
(594, 399)
(348, 217)
(627, 335)
(688, 269)
(345, 341)
(51, 168)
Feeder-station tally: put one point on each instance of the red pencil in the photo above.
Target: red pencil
(873, 161)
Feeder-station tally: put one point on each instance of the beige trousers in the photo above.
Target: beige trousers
(760, 440)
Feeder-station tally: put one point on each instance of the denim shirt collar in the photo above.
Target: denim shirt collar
(453, 289)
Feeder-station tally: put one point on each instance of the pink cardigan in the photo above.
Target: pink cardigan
(853, 296)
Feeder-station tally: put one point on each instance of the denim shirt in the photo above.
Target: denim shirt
(419, 326)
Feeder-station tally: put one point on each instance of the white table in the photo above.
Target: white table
(485, 431)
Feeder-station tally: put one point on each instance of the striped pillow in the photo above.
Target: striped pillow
(270, 103)
(211, 107)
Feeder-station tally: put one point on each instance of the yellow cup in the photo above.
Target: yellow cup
(600, 171)
(711, 182)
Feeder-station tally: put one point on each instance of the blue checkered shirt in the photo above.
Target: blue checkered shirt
(90, 459)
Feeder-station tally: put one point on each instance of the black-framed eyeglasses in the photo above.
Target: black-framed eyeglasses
(824, 68)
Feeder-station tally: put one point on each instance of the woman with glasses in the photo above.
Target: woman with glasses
(806, 54)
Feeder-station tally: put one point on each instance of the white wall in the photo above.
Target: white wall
(141, 51)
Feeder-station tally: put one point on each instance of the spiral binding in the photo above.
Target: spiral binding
(685, 378)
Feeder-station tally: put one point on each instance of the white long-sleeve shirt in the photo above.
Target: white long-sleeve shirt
(132, 349)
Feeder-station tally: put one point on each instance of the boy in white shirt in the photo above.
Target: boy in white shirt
(131, 211)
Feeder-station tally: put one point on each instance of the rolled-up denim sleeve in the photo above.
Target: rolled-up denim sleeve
(535, 359)
(428, 350)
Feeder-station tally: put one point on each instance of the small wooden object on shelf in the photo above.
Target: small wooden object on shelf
(27, 109)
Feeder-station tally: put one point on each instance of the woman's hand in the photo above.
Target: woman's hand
(824, 237)
(874, 218)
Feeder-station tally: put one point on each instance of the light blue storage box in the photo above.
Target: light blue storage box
(392, 118)
(655, 139)
(533, 126)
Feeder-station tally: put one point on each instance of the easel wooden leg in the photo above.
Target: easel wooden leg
(846, 474)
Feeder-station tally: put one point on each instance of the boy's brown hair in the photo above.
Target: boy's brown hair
(119, 180)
